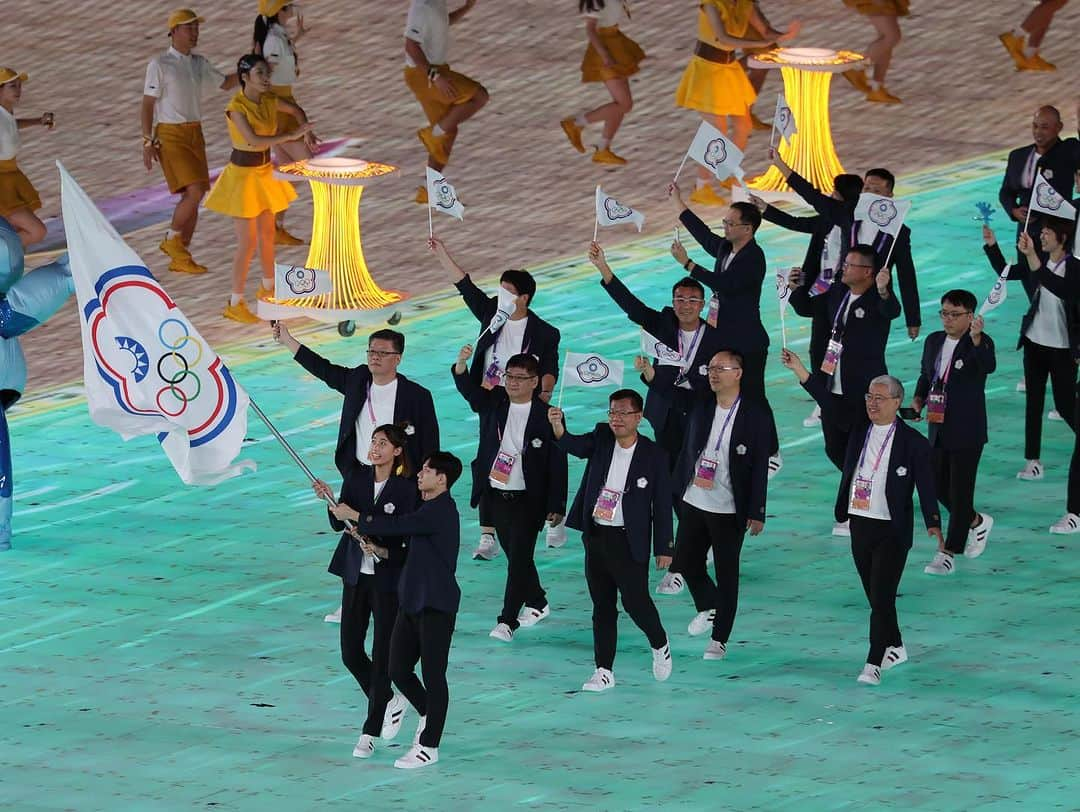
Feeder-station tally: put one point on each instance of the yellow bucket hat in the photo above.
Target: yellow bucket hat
(268, 8)
(9, 75)
(183, 16)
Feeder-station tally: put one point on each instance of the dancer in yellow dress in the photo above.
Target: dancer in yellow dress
(611, 58)
(885, 16)
(714, 83)
(18, 197)
(247, 190)
(273, 40)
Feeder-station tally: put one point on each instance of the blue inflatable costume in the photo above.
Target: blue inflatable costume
(25, 302)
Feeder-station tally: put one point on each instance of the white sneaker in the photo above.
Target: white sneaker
(1054, 414)
(775, 464)
(941, 564)
(702, 622)
(1031, 471)
(871, 675)
(418, 756)
(714, 651)
(1066, 525)
(556, 536)
(661, 662)
(394, 716)
(502, 632)
(601, 680)
(420, 725)
(978, 536)
(487, 548)
(530, 616)
(333, 617)
(671, 584)
(814, 419)
(894, 656)
(841, 529)
(1021, 386)
(365, 748)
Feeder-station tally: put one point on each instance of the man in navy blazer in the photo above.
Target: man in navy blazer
(885, 462)
(519, 474)
(375, 393)
(952, 388)
(719, 483)
(622, 508)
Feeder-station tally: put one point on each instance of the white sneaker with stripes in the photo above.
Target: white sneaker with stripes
(978, 536)
(940, 564)
(671, 584)
(1066, 525)
(894, 656)
(661, 662)
(1031, 472)
(418, 756)
(601, 680)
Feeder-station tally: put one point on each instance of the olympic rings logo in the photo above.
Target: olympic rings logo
(175, 369)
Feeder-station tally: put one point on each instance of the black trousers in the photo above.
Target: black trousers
(954, 478)
(698, 531)
(1041, 363)
(517, 530)
(752, 385)
(359, 604)
(879, 558)
(1073, 503)
(423, 638)
(671, 434)
(836, 427)
(609, 572)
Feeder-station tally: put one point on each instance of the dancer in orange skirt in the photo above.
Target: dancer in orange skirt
(1023, 43)
(885, 16)
(247, 190)
(714, 83)
(18, 197)
(611, 58)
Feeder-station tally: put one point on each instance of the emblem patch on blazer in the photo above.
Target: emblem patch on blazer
(389, 507)
(642, 482)
(901, 471)
(959, 363)
(859, 312)
(740, 449)
(537, 442)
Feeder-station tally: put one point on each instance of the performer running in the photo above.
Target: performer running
(448, 98)
(172, 135)
(370, 569)
(247, 190)
(1023, 43)
(611, 58)
(18, 197)
(885, 16)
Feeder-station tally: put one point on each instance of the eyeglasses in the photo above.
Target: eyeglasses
(856, 265)
(380, 354)
(879, 398)
(953, 314)
(681, 300)
(617, 413)
(519, 378)
(719, 369)
(732, 223)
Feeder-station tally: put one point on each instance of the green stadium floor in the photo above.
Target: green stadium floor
(163, 647)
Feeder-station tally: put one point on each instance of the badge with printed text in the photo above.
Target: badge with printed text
(705, 478)
(493, 376)
(935, 407)
(501, 468)
(860, 494)
(606, 503)
(832, 356)
(714, 311)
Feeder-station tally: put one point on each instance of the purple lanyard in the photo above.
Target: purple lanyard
(881, 451)
(841, 311)
(942, 380)
(688, 358)
(723, 429)
(370, 408)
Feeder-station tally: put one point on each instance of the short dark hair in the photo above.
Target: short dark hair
(961, 298)
(749, 214)
(688, 282)
(866, 252)
(397, 437)
(522, 281)
(630, 395)
(445, 463)
(884, 174)
(525, 361)
(393, 336)
(849, 187)
(733, 353)
(1063, 229)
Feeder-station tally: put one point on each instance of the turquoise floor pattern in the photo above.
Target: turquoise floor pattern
(162, 647)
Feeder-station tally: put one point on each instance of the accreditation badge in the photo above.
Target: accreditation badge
(860, 494)
(705, 477)
(935, 407)
(832, 356)
(606, 503)
(501, 468)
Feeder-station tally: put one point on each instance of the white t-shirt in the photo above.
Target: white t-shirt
(1049, 327)
(616, 481)
(720, 498)
(508, 343)
(367, 565)
(837, 386)
(377, 410)
(9, 135)
(429, 24)
(614, 12)
(178, 83)
(513, 442)
(879, 505)
(945, 359)
(279, 52)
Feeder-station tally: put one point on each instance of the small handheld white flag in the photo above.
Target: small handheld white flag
(1045, 199)
(653, 347)
(784, 121)
(610, 212)
(997, 295)
(783, 296)
(442, 196)
(295, 281)
(712, 149)
(591, 370)
(885, 213)
(504, 309)
(145, 367)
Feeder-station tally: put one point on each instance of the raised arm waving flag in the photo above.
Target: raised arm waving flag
(712, 149)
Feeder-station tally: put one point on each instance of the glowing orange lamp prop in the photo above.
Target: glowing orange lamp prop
(807, 74)
(336, 186)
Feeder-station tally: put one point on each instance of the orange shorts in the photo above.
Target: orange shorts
(183, 155)
(435, 104)
(16, 190)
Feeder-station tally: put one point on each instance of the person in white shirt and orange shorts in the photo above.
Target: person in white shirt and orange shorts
(18, 197)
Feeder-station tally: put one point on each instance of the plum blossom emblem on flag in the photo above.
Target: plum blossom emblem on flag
(882, 212)
(593, 370)
(442, 196)
(610, 212)
(590, 369)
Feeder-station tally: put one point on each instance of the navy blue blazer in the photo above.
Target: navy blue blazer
(646, 501)
(664, 324)
(909, 469)
(398, 496)
(1058, 165)
(414, 409)
(434, 538)
(543, 462)
(540, 339)
(965, 391)
(738, 289)
(748, 455)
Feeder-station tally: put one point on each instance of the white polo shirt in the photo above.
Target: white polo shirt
(279, 52)
(429, 25)
(178, 82)
(614, 12)
(9, 135)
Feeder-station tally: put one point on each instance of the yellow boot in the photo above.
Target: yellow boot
(421, 195)
(573, 134)
(283, 237)
(606, 156)
(434, 144)
(239, 312)
(707, 196)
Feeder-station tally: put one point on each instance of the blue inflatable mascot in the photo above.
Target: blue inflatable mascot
(25, 302)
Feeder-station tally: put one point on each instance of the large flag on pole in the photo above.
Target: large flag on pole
(784, 121)
(886, 213)
(610, 212)
(712, 149)
(145, 366)
(591, 370)
(1045, 199)
(997, 294)
(442, 196)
